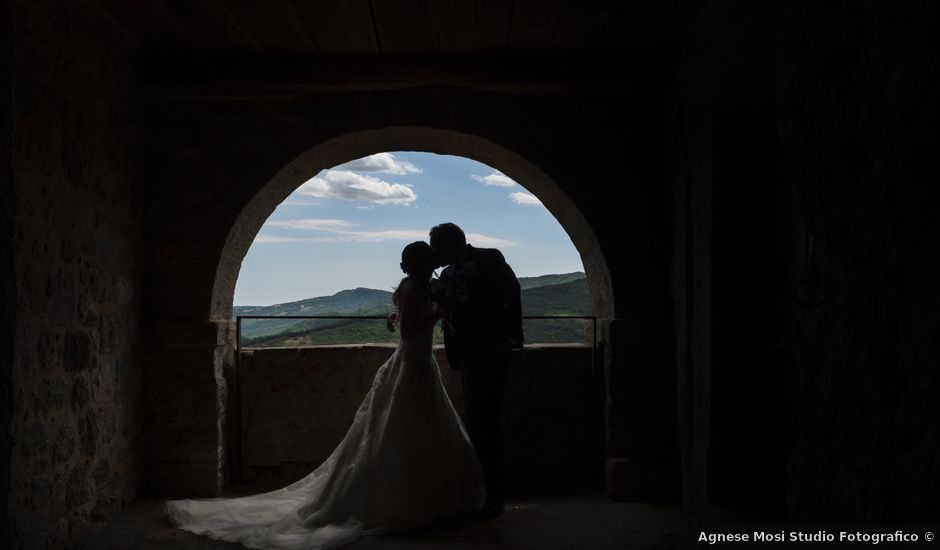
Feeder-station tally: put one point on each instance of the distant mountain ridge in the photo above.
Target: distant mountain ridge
(546, 280)
(356, 301)
(345, 300)
(555, 294)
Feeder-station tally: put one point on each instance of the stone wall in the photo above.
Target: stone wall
(858, 116)
(733, 259)
(77, 439)
(7, 269)
(188, 405)
(805, 262)
(297, 404)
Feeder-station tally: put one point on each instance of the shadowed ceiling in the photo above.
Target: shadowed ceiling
(381, 27)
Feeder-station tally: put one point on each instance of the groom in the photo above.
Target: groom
(483, 324)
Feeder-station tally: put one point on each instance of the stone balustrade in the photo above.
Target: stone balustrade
(297, 403)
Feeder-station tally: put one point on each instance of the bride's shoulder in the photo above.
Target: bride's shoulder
(410, 295)
(408, 287)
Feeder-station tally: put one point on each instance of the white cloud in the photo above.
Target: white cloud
(342, 184)
(415, 235)
(477, 239)
(297, 202)
(311, 223)
(385, 163)
(525, 198)
(265, 238)
(342, 230)
(497, 179)
(385, 235)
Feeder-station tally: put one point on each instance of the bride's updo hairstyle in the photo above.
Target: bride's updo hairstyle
(418, 261)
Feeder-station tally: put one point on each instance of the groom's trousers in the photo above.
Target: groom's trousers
(484, 385)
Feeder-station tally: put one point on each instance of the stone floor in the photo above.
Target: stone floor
(591, 521)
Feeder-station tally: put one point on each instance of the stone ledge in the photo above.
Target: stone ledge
(298, 403)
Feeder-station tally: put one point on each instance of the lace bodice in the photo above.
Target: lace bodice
(421, 341)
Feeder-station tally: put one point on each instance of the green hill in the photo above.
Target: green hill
(565, 294)
(345, 331)
(545, 280)
(356, 301)
(567, 298)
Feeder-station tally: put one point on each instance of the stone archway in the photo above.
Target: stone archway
(190, 395)
(355, 145)
(408, 138)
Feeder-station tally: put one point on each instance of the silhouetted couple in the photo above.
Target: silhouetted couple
(407, 459)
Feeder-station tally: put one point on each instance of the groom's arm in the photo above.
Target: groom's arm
(450, 339)
(512, 297)
(451, 346)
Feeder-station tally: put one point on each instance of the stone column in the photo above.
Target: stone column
(186, 394)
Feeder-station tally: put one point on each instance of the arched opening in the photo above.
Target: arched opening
(408, 138)
(576, 383)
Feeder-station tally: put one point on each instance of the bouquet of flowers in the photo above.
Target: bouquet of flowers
(447, 292)
(451, 290)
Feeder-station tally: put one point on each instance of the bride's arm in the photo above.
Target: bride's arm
(408, 303)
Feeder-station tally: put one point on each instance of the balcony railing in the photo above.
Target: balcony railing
(239, 349)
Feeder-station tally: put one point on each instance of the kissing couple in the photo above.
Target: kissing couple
(407, 460)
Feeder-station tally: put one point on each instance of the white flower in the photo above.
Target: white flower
(447, 289)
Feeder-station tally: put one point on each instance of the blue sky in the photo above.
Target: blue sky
(345, 227)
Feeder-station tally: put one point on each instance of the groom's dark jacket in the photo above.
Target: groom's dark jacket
(490, 312)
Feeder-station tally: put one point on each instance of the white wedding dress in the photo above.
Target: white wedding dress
(405, 462)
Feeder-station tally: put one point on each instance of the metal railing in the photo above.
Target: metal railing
(238, 358)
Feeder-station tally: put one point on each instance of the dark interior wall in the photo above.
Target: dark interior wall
(77, 354)
(805, 262)
(755, 264)
(858, 116)
(7, 268)
(736, 262)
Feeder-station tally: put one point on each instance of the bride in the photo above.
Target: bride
(405, 462)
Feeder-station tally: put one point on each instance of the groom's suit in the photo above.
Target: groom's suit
(481, 325)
